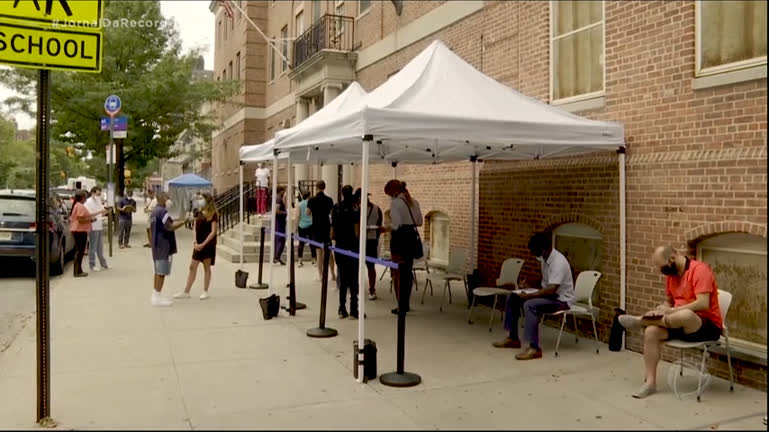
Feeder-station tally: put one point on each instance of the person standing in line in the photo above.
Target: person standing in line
(126, 209)
(95, 205)
(204, 247)
(405, 217)
(373, 227)
(304, 228)
(262, 180)
(163, 246)
(80, 226)
(319, 208)
(280, 225)
(345, 221)
(149, 207)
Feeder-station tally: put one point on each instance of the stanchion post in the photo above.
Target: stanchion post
(291, 280)
(321, 331)
(401, 378)
(259, 284)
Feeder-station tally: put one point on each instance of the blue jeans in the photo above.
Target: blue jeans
(96, 247)
(534, 309)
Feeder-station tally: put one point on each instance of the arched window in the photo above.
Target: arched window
(739, 263)
(581, 244)
(438, 223)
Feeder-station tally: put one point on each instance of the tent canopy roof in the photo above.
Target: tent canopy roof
(189, 180)
(440, 108)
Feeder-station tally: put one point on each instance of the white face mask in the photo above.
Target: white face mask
(202, 202)
(540, 259)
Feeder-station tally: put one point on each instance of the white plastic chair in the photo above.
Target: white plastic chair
(724, 301)
(508, 275)
(421, 264)
(454, 272)
(583, 290)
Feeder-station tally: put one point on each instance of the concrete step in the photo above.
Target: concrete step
(247, 237)
(248, 247)
(232, 255)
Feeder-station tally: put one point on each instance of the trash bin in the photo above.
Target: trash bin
(369, 359)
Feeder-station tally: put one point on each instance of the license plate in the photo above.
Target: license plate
(6, 236)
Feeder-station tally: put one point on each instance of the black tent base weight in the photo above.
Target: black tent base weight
(405, 379)
(322, 332)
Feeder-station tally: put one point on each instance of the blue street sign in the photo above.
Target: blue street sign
(120, 124)
(112, 105)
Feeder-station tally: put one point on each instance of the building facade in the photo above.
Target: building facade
(686, 78)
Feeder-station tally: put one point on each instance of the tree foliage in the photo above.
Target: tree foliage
(146, 68)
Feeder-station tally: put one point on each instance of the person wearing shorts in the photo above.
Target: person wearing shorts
(691, 313)
(163, 240)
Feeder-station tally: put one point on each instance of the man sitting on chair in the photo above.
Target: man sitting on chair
(691, 313)
(556, 294)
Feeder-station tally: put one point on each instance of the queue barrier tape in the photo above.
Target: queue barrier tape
(345, 252)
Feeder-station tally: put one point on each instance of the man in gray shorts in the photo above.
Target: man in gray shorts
(163, 230)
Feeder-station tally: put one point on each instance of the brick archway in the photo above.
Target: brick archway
(427, 220)
(702, 232)
(564, 218)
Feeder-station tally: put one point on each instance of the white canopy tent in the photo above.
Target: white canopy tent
(439, 108)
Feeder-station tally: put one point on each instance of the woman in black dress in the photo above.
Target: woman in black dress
(204, 248)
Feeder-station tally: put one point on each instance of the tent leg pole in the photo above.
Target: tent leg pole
(473, 206)
(622, 230)
(400, 378)
(362, 271)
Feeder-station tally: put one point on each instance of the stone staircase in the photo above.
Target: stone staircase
(228, 245)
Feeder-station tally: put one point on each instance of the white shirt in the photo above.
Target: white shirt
(150, 207)
(373, 221)
(95, 206)
(400, 215)
(262, 177)
(557, 271)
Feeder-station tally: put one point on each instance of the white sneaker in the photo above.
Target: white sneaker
(182, 295)
(96, 269)
(159, 301)
(372, 297)
(205, 296)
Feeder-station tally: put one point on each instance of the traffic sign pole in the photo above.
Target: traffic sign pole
(42, 281)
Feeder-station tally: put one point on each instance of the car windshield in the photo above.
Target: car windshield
(17, 206)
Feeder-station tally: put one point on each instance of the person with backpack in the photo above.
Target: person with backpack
(373, 226)
(345, 221)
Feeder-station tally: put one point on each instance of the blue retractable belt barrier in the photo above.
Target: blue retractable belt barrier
(351, 254)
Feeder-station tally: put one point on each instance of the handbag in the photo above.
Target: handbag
(270, 306)
(416, 246)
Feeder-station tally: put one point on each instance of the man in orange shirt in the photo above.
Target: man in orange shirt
(691, 312)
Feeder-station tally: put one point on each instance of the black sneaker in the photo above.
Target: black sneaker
(342, 314)
(395, 311)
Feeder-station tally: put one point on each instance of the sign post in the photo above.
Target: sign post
(112, 106)
(31, 37)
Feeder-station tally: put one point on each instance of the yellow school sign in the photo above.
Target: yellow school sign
(52, 34)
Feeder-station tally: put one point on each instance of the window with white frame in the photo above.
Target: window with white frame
(284, 47)
(730, 35)
(363, 6)
(738, 261)
(576, 49)
(271, 48)
(316, 5)
(440, 231)
(580, 244)
(299, 24)
(339, 14)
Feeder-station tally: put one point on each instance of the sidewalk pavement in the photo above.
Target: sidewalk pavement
(118, 363)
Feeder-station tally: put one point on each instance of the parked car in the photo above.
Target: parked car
(66, 197)
(17, 229)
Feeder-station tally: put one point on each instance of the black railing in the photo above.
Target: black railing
(228, 206)
(333, 32)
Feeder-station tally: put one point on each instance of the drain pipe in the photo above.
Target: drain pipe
(622, 231)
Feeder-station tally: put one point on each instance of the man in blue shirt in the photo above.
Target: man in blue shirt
(125, 207)
(163, 246)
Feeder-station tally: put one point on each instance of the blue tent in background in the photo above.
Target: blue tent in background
(190, 180)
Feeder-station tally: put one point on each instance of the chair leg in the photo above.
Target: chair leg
(415, 281)
(448, 287)
(702, 372)
(491, 315)
(729, 361)
(427, 281)
(681, 371)
(576, 329)
(470, 314)
(595, 333)
(558, 342)
(443, 297)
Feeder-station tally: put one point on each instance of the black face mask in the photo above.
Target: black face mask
(669, 270)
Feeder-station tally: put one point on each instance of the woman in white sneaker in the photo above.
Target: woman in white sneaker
(204, 247)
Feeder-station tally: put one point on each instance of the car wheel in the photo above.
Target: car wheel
(57, 267)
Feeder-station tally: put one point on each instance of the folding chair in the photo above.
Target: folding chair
(508, 275)
(724, 301)
(583, 288)
(454, 272)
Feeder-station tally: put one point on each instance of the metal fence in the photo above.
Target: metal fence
(331, 32)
